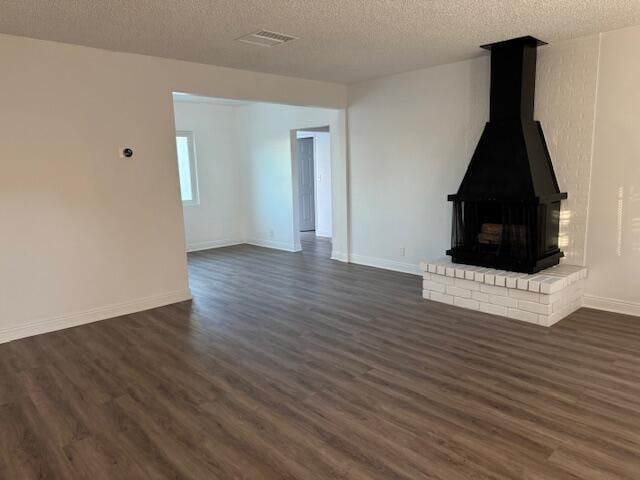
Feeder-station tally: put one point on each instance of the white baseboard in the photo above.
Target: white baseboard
(225, 242)
(93, 315)
(612, 305)
(386, 264)
(288, 247)
(323, 234)
(340, 256)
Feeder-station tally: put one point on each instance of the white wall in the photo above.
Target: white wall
(322, 172)
(270, 143)
(219, 218)
(87, 235)
(613, 242)
(410, 138)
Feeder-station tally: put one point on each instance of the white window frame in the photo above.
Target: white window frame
(193, 168)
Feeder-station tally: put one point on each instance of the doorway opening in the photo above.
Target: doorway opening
(264, 174)
(313, 158)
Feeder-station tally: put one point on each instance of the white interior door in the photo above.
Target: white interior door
(306, 185)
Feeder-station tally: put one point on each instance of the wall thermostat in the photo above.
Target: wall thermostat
(126, 153)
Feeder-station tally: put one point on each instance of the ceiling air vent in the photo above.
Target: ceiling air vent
(265, 38)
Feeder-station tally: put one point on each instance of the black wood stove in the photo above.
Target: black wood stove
(506, 214)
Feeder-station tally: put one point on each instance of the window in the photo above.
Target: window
(187, 168)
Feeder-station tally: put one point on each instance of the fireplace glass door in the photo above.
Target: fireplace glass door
(492, 229)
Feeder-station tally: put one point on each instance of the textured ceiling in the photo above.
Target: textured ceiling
(340, 40)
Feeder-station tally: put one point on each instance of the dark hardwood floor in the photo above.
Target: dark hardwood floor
(293, 366)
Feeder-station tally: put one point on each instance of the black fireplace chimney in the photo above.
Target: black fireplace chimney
(506, 213)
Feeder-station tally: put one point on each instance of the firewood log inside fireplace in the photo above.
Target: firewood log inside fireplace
(491, 233)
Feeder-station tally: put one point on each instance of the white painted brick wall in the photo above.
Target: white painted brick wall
(512, 279)
(481, 297)
(500, 279)
(467, 284)
(553, 298)
(523, 283)
(504, 291)
(565, 94)
(466, 303)
(504, 301)
(458, 292)
(442, 279)
(441, 297)
(544, 298)
(534, 307)
(524, 295)
(493, 309)
(435, 286)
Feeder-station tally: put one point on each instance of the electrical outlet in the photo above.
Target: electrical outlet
(402, 251)
(270, 233)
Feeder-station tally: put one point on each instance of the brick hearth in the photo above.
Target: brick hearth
(543, 298)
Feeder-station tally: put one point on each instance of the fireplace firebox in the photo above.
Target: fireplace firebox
(506, 213)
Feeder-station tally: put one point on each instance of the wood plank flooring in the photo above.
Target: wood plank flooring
(293, 366)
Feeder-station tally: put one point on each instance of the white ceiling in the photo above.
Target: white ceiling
(340, 40)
